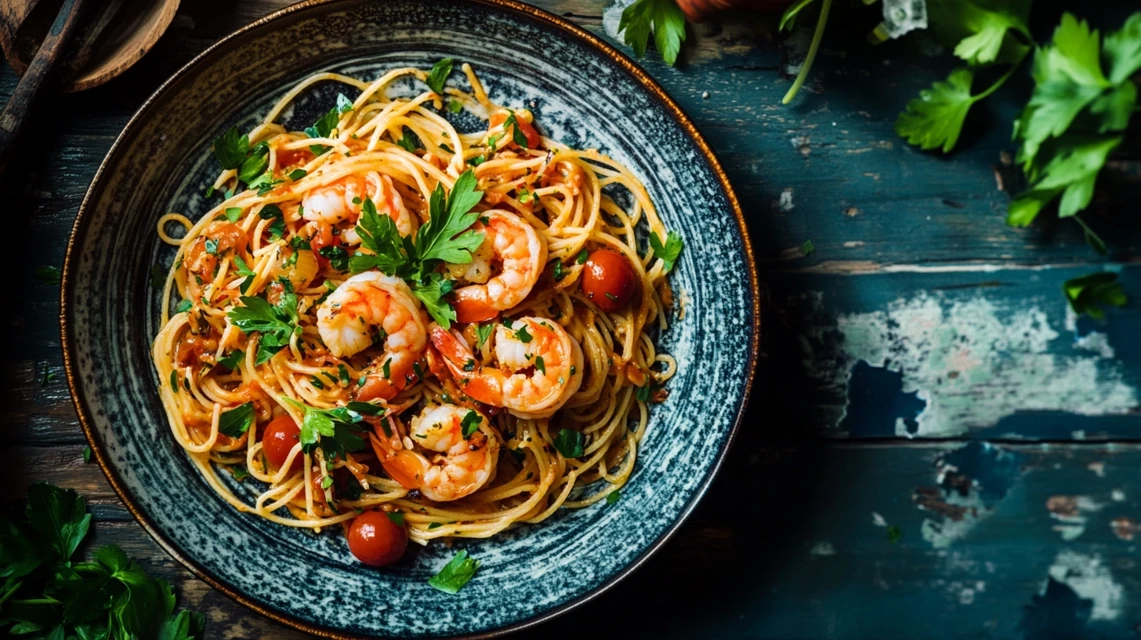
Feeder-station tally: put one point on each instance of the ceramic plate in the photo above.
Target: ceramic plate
(585, 94)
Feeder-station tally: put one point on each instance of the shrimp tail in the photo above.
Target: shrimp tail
(476, 382)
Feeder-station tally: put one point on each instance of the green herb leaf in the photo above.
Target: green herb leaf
(663, 18)
(277, 227)
(570, 443)
(434, 525)
(523, 336)
(540, 365)
(344, 105)
(455, 106)
(432, 293)
(668, 252)
(470, 423)
(233, 213)
(447, 235)
(408, 141)
(396, 517)
(233, 359)
(48, 275)
(87, 454)
(335, 430)
(1122, 50)
(935, 118)
(234, 422)
(297, 174)
(1089, 293)
(183, 306)
(323, 128)
(59, 517)
(807, 248)
(1071, 173)
(613, 497)
(231, 148)
(517, 135)
(482, 333)
(583, 255)
(379, 234)
(455, 574)
(894, 534)
(254, 164)
(438, 76)
(988, 30)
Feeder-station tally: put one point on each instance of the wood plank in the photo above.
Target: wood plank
(979, 352)
(796, 541)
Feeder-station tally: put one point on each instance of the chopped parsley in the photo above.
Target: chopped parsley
(584, 254)
(434, 525)
(540, 365)
(482, 333)
(336, 431)
(667, 252)
(559, 273)
(438, 76)
(455, 106)
(455, 574)
(396, 517)
(807, 248)
(1088, 294)
(184, 306)
(517, 135)
(386, 369)
(277, 227)
(523, 336)
(234, 422)
(87, 454)
(408, 141)
(325, 125)
(570, 443)
(297, 174)
(336, 255)
(470, 423)
(613, 497)
(276, 323)
(233, 359)
(233, 213)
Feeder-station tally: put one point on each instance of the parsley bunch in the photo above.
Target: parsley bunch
(46, 594)
(446, 237)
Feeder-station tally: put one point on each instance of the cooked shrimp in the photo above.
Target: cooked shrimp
(343, 199)
(521, 255)
(457, 466)
(372, 307)
(538, 366)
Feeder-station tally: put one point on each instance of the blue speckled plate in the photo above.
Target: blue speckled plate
(585, 94)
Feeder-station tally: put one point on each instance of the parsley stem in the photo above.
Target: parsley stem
(997, 83)
(44, 600)
(13, 589)
(812, 49)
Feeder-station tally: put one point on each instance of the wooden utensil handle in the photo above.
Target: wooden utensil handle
(15, 113)
(697, 10)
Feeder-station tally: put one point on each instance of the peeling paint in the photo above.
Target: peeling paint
(1098, 467)
(971, 481)
(1124, 528)
(1071, 512)
(785, 203)
(1091, 580)
(974, 363)
(878, 520)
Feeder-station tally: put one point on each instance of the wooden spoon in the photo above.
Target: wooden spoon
(114, 35)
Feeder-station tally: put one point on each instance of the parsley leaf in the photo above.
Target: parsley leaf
(431, 292)
(1072, 173)
(233, 359)
(470, 423)
(231, 148)
(255, 163)
(1088, 294)
(935, 118)
(59, 518)
(613, 497)
(233, 213)
(663, 18)
(390, 252)
(234, 422)
(455, 574)
(517, 135)
(668, 252)
(408, 141)
(447, 235)
(988, 29)
(276, 323)
(1122, 50)
(337, 256)
(297, 174)
(482, 333)
(277, 227)
(523, 336)
(336, 431)
(439, 75)
(807, 248)
(323, 128)
(570, 443)
(396, 517)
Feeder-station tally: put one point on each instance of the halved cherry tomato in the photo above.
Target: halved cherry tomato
(376, 540)
(281, 435)
(608, 280)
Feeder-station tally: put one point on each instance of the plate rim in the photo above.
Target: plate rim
(569, 29)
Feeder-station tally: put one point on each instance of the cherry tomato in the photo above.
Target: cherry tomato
(608, 280)
(280, 436)
(376, 540)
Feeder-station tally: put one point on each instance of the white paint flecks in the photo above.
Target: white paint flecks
(1072, 513)
(612, 16)
(822, 548)
(785, 203)
(941, 533)
(1091, 580)
(975, 363)
(878, 520)
(1098, 467)
(1118, 495)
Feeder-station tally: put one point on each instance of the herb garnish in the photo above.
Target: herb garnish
(668, 252)
(570, 443)
(613, 497)
(446, 237)
(276, 323)
(48, 275)
(234, 422)
(233, 359)
(482, 333)
(517, 135)
(336, 431)
(439, 75)
(470, 423)
(455, 574)
(523, 336)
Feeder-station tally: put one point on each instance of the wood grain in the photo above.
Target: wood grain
(999, 536)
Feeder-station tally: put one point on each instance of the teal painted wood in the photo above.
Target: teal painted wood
(786, 545)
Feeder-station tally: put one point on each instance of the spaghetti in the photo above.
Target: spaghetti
(397, 316)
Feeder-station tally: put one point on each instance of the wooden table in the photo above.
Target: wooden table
(935, 448)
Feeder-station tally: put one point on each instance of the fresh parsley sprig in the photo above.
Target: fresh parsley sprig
(446, 237)
(455, 574)
(336, 431)
(276, 323)
(45, 594)
(663, 18)
(669, 251)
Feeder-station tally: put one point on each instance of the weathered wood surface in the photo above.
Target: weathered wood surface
(921, 375)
